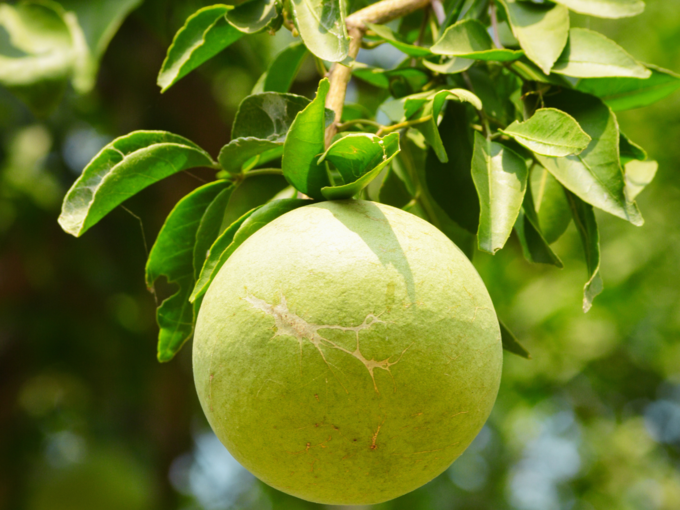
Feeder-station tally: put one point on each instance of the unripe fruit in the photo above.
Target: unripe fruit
(347, 353)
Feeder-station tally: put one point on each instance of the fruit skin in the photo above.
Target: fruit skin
(288, 389)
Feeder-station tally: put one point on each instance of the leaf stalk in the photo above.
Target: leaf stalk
(403, 125)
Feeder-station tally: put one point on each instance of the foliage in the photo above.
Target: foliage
(51, 43)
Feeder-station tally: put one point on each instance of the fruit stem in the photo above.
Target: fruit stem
(340, 74)
(405, 124)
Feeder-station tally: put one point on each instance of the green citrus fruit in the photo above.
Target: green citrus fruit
(347, 353)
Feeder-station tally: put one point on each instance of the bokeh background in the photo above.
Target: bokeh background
(89, 420)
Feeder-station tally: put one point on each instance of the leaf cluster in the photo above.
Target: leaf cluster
(49, 43)
(500, 118)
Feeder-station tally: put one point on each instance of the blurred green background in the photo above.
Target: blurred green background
(89, 419)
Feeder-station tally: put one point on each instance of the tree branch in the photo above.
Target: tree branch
(494, 24)
(339, 76)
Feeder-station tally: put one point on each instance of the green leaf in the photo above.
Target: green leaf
(410, 77)
(638, 175)
(402, 81)
(304, 144)
(393, 190)
(205, 34)
(261, 217)
(172, 256)
(549, 132)
(595, 175)
(41, 58)
(99, 21)
(428, 110)
(534, 245)
(347, 191)
(229, 206)
(256, 189)
(495, 91)
(450, 66)
(321, 24)
(375, 76)
(469, 38)
(356, 154)
(412, 162)
(510, 342)
(36, 27)
(236, 235)
(210, 228)
(542, 30)
(394, 109)
(450, 183)
(50, 43)
(256, 15)
(584, 219)
(284, 68)
(605, 8)
(267, 116)
(505, 36)
(554, 214)
(590, 54)
(500, 177)
(41, 97)
(123, 168)
(627, 93)
(529, 71)
(247, 152)
(410, 25)
(353, 111)
(386, 34)
(213, 261)
(463, 239)
(630, 150)
(359, 158)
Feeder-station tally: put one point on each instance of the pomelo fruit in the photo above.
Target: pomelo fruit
(347, 353)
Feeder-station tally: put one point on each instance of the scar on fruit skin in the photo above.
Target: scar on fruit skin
(288, 323)
(375, 437)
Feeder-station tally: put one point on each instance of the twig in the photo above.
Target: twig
(494, 24)
(354, 122)
(152, 289)
(438, 10)
(289, 23)
(141, 227)
(339, 76)
(199, 179)
(382, 129)
(369, 45)
(401, 125)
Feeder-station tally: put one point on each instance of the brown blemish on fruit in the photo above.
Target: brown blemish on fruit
(288, 323)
